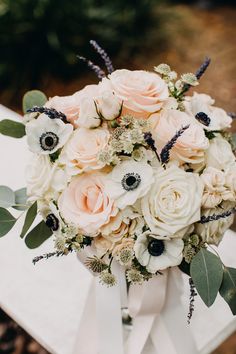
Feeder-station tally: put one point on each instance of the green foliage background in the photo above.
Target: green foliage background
(44, 36)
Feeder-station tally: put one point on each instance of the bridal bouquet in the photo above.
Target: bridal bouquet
(136, 171)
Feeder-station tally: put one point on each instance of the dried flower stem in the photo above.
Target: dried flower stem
(103, 55)
(150, 142)
(214, 217)
(200, 71)
(50, 112)
(193, 293)
(165, 152)
(48, 255)
(98, 71)
(232, 115)
(203, 68)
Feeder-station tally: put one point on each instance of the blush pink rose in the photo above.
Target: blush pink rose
(69, 105)
(85, 204)
(190, 147)
(141, 92)
(81, 151)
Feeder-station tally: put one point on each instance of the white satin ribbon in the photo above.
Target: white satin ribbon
(156, 310)
(100, 329)
(145, 303)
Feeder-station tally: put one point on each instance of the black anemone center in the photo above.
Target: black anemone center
(131, 181)
(156, 247)
(52, 222)
(48, 141)
(203, 118)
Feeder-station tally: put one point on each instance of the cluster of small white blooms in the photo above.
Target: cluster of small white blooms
(166, 72)
(60, 242)
(191, 247)
(107, 278)
(134, 276)
(108, 157)
(189, 79)
(130, 168)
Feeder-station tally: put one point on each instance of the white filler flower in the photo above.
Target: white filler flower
(46, 135)
(129, 181)
(158, 254)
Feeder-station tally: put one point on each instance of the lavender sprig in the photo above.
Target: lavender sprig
(200, 71)
(151, 143)
(165, 152)
(47, 255)
(98, 71)
(204, 219)
(50, 112)
(193, 293)
(203, 68)
(103, 55)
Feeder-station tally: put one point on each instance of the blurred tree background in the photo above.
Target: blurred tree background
(40, 41)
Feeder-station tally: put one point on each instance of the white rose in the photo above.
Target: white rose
(215, 189)
(173, 202)
(219, 119)
(219, 154)
(109, 105)
(44, 179)
(212, 232)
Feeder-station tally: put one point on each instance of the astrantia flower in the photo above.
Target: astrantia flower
(158, 254)
(45, 135)
(129, 181)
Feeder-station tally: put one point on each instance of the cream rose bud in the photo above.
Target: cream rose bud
(44, 179)
(215, 189)
(81, 152)
(141, 92)
(173, 202)
(69, 105)
(212, 232)
(219, 154)
(190, 146)
(219, 119)
(109, 105)
(85, 203)
(88, 114)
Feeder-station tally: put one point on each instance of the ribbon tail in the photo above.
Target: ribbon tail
(87, 340)
(171, 328)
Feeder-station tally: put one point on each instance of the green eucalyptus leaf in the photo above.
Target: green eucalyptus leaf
(11, 128)
(33, 98)
(38, 235)
(29, 219)
(20, 199)
(207, 272)
(7, 197)
(228, 288)
(7, 221)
